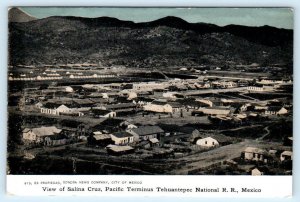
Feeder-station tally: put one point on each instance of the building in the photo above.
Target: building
(160, 106)
(146, 132)
(119, 150)
(260, 88)
(42, 135)
(259, 171)
(122, 138)
(59, 109)
(99, 139)
(215, 110)
(255, 154)
(276, 110)
(101, 113)
(207, 142)
(121, 107)
(55, 140)
(286, 155)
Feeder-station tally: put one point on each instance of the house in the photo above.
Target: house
(154, 142)
(101, 113)
(55, 140)
(207, 142)
(286, 155)
(59, 109)
(122, 138)
(276, 110)
(255, 154)
(259, 171)
(146, 132)
(99, 139)
(214, 110)
(121, 107)
(39, 135)
(119, 150)
(260, 88)
(39, 105)
(211, 102)
(141, 101)
(111, 125)
(176, 106)
(160, 106)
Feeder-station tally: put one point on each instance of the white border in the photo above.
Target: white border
(188, 3)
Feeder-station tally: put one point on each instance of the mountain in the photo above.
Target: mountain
(165, 42)
(17, 15)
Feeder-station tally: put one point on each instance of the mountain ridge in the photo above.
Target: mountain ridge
(145, 42)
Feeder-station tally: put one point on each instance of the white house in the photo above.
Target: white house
(282, 111)
(286, 155)
(145, 132)
(207, 142)
(122, 138)
(215, 110)
(69, 89)
(59, 109)
(104, 113)
(38, 135)
(158, 106)
(276, 110)
(256, 172)
(255, 154)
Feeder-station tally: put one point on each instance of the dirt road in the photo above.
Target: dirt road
(205, 159)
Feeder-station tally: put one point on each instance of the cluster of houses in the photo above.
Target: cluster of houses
(35, 75)
(262, 158)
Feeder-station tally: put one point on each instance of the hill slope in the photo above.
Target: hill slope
(165, 42)
(17, 15)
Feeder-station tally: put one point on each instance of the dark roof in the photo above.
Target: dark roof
(111, 122)
(100, 111)
(83, 101)
(120, 106)
(147, 130)
(145, 99)
(122, 134)
(274, 108)
(51, 105)
(159, 102)
(175, 104)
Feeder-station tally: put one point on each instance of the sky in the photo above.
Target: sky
(276, 17)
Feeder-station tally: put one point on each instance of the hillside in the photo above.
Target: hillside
(169, 41)
(17, 15)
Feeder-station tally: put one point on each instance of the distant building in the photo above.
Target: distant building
(122, 138)
(100, 113)
(215, 110)
(119, 150)
(207, 142)
(44, 135)
(276, 110)
(259, 171)
(255, 154)
(260, 88)
(99, 139)
(59, 109)
(146, 132)
(286, 155)
(160, 106)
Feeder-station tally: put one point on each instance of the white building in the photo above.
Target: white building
(38, 135)
(122, 138)
(255, 154)
(207, 142)
(286, 155)
(256, 172)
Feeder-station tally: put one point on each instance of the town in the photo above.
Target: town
(90, 118)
